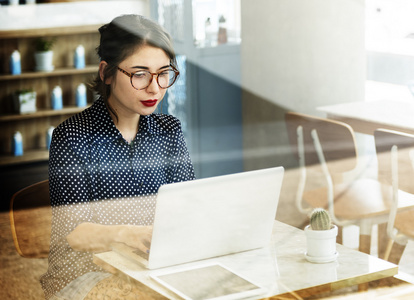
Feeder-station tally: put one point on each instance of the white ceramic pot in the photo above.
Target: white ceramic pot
(44, 61)
(25, 103)
(321, 244)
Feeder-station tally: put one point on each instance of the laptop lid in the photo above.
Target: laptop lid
(214, 216)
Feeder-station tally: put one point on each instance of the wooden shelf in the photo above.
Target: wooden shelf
(55, 31)
(57, 72)
(27, 157)
(42, 113)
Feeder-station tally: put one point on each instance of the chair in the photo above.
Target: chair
(30, 220)
(328, 147)
(395, 152)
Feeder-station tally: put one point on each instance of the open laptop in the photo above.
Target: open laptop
(211, 217)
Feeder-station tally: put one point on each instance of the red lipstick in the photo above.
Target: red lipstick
(149, 103)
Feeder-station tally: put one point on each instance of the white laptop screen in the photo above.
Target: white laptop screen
(215, 216)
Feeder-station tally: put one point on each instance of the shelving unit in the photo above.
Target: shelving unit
(29, 156)
(57, 72)
(41, 114)
(34, 126)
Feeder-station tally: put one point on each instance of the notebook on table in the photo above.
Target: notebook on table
(211, 217)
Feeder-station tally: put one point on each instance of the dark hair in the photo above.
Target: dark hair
(120, 38)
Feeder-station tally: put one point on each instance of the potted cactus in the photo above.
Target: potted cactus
(321, 237)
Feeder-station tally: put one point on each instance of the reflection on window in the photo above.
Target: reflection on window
(171, 17)
(216, 22)
(177, 94)
(390, 26)
(389, 42)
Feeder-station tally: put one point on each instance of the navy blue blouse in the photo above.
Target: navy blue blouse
(90, 161)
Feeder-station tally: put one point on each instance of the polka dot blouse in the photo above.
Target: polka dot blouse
(96, 176)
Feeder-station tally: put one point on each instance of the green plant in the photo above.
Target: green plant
(44, 44)
(24, 91)
(320, 219)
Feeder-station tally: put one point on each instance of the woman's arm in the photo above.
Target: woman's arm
(93, 237)
(71, 198)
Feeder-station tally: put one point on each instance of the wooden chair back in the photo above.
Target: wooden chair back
(31, 219)
(336, 138)
(384, 141)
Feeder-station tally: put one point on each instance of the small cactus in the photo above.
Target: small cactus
(320, 219)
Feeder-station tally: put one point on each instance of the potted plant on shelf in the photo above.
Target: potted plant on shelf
(321, 237)
(44, 54)
(24, 101)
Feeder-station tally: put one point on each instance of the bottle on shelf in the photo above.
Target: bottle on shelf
(79, 57)
(49, 134)
(57, 102)
(17, 144)
(222, 32)
(81, 100)
(15, 64)
(210, 34)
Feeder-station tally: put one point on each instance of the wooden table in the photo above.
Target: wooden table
(367, 116)
(281, 267)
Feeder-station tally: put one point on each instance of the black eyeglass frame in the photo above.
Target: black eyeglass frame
(130, 75)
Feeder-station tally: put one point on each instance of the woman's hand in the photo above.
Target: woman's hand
(93, 237)
(138, 237)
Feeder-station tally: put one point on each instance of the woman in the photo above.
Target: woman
(117, 149)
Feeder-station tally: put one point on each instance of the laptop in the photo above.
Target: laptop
(211, 217)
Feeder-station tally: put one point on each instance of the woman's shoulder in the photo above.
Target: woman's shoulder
(78, 130)
(84, 121)
(78, 123)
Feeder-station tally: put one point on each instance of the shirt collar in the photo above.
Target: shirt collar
(105, 130)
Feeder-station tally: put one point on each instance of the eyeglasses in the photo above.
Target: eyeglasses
(142, 79)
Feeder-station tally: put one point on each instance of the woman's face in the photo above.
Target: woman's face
(127, 101)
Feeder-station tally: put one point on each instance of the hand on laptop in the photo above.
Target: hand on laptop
(138, 237)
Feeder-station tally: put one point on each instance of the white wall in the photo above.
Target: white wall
(300, 54)
(15, 17)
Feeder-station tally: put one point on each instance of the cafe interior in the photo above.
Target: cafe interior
(324, 89)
